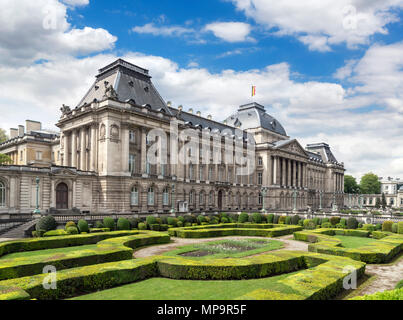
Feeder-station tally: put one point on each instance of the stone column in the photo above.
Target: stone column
(65, 150)
(300, 175)
(143, 150)
(283, 172)
(275, 160)
(83, 150)
(268, 170)
(93, 148)
(74, 149)
(289, 173)
(294, 173)
(125, 149)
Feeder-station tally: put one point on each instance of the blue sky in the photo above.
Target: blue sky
(329, 71)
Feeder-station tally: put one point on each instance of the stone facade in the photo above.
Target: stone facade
(102, 164)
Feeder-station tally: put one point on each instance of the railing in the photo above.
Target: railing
(7, 224)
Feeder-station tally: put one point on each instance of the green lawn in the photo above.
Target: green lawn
(169, 289)
(354, 242)
(228, 248)
(27, 254)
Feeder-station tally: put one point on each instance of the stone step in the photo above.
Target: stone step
(19, 231)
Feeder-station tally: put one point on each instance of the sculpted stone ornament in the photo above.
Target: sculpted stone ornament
(110, 92)
(65, 109)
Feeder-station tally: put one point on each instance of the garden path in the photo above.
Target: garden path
(179, 242)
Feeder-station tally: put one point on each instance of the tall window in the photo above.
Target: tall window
(229, 174)
(191, 171)
(163, 170)
(165, 197)
(260, 199)
(132, 136)
(191, 197)
(201, 176)
(210, 173)
(2, 194)
(134, 197)
(132, 163)
(39, 155)
(150, 196)
(211, 198)
(148, 168)
(260, 161)
(201, 198)
(259, 178)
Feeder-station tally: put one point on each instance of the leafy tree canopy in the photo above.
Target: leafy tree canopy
(350, 184)
(370, 184)
(4, 159)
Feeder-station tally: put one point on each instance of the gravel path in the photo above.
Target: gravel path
(387, 276)
(179, 242)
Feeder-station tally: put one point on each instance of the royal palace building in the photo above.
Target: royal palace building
(99, 161)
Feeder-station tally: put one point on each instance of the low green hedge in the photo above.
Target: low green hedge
(55, 233)
(234, 229)
(380, 251)
(396, 294)
(322, 280)
(111, 249)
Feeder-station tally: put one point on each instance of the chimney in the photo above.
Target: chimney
(209, 117)
(13, 133)
(169, 104)
(33, 125)
(198, 113)
(191, 110)
(21, 130)
(180, 108)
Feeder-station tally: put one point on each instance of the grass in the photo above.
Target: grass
(229, 248)
(28, 254)
(169, 289)
(354, 242)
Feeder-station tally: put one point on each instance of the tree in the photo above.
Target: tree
(4, 159)
(370, 184)
(378, 203)
(383, 201)
(3, 136)
(350, 185)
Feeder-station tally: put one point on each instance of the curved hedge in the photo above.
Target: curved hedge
(234, 229)
(380, 251)
(322, 280)
(111, 249)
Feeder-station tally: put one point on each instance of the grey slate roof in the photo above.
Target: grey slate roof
(253, 115)
(324, 150)
(129, 81)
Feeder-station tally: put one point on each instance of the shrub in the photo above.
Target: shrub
(369, 227)
(134, 222)
(295, 219)
(325, 220)
(179, 224)
(309, 224)
(301, 222)
(123, 224)
(326, 225)
(151, 220)
(46, 223)
(99, 225)
(172, 221)
(334, 220)
(281, 220)
(340, 226)
(378, 226)
(142, 226)
(224, 220)
(352, 223)
(270, 218)
(257, 217)
(343, 222)
(181, 219)
(400, 227)
(316, 220)
(243, 217)
(54, 233)
(201, 219)
(83, 226)
(72, 230)
(387, 226)
(360, 225)
(69, 224)
(288, 220)
(275, 219)
(109, 223)
(394, 228)
(399, 285)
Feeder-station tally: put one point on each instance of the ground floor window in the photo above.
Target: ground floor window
(2, 194)
(260, 199)
(201, 198)
(165, 197)
(150, 196)
(191, 197)
(134, 197)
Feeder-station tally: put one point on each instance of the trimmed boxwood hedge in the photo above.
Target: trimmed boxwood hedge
(380, 251)
(322, 280)
(233, 229)
(110, 247)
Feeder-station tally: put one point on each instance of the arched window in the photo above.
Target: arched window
(260, 198)
(165, 197)
(150, 196)
(201, 198)
(134, 197)
(211, 198)
(191, 197)
(2, 194)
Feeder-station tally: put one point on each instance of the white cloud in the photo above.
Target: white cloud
(151, 28)
(76, 2)
(35, 30)
(323, 23)
(230, 31)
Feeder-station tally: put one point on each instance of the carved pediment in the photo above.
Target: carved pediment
(294, 147)
(63, 172)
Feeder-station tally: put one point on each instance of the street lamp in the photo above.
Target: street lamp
(37, 211)
(173, 199)
(264, 192)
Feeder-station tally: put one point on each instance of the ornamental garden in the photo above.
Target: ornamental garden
(214, 257)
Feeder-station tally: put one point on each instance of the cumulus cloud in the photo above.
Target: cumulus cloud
(230, 31)
(151, 28)
(323, 23)
(76, 2)
(37, 30)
